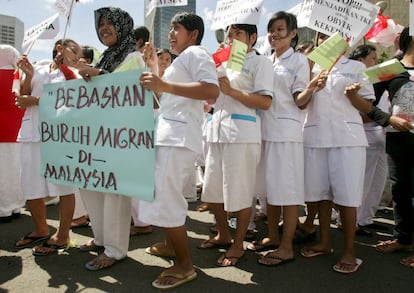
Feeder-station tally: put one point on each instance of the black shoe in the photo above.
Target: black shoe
(375, 226)
(362, 232)
(7, 219)
(16, 215)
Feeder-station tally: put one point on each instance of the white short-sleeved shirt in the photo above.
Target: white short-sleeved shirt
(332, 120)
(233, 122)
(29, 131)
(283, 122)
(180, 119)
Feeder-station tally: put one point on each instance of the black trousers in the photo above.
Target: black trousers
(400, 150)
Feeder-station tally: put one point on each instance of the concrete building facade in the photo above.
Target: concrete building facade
(11, 31)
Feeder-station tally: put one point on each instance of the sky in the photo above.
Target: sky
(82, 28)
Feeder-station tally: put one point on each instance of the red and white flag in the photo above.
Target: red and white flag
(384, 31)
(16, 82)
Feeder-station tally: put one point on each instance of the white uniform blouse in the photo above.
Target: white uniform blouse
(332, 121)
(232, 121)
(283, 122)
(180, 119)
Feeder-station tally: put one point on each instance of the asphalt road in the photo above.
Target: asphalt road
(20, 271)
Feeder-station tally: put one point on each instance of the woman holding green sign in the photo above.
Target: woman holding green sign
(234, 138)
(110, 213)
(282, 146)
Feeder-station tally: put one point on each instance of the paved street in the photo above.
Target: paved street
(22, 272)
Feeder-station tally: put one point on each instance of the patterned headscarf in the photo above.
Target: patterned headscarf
(113, 56)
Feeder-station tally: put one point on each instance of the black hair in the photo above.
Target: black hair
(305, 46)
(162, 51)
(87, 53)
(250, 29)
(361, 51)
(291, 23)
(64, 43)
(405, 40)
(141, 32)
(191, 22)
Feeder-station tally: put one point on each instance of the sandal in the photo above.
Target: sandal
(392, 246)
(210, 244)
(30, 240)
(259, 246)
(234, 260)
(180, 280)
(90, 246)
(160, 249)
(49, 248)
(408, 261)
(101, 262)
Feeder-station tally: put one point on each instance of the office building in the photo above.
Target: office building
(11, 31)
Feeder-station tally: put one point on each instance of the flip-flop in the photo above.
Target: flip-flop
(50, 249)
(90, 246)
(310, 252)
(210, 244)
(137, 231)
(181, 279)
(33, 240)
(408, 262)
(231, 258)
(337, 267)
(159, 249)
(93, 264)
(392, 246)
(259, 246)
(280, 260)
(75, 225)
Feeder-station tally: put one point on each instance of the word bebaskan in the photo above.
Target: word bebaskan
(108, 97)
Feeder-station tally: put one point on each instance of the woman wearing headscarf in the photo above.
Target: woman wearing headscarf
(110, 213)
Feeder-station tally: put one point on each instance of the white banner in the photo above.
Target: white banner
(151, 4)
(231, 11)
(351, 18)
(47, 29)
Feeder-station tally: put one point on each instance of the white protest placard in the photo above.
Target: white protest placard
(151, 4)
(47, 29)
(231, 11)
(351, 18)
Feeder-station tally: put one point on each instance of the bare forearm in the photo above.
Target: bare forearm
(26, 86)
(193, 90)
(254, 101)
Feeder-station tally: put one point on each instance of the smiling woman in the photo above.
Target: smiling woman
(114, 27)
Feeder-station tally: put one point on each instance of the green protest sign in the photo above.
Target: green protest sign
(99, 135)
(327, 54)
(237, 56)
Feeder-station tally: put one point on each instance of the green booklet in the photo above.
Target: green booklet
(237, 55)
(329, 52)
(384, 71)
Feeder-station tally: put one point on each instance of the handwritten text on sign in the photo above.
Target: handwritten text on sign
(99, 135)
(351, 18)
(236, 11)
